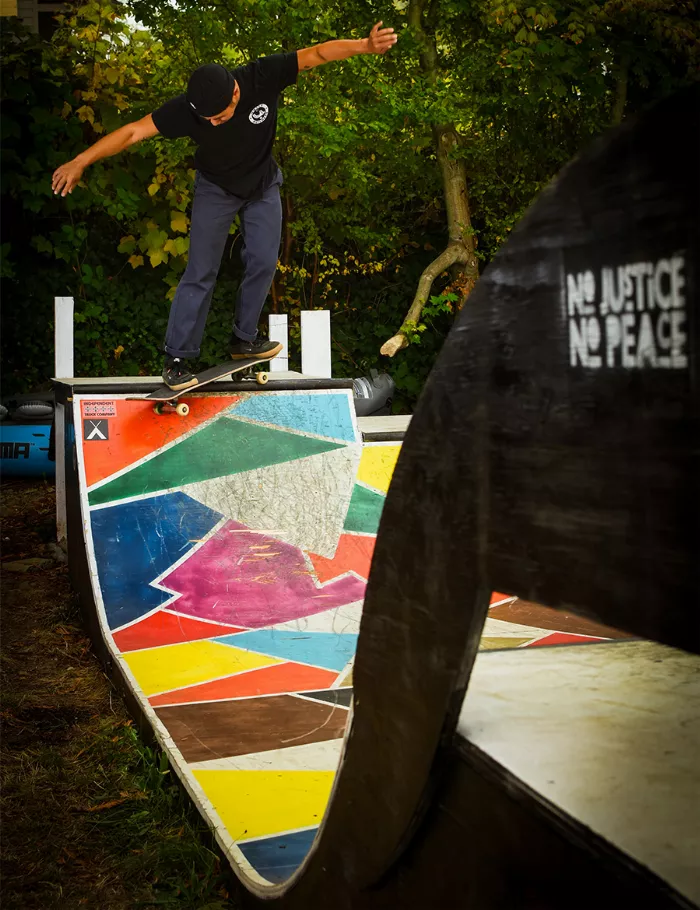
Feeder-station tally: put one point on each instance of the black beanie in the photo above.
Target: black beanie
(210, 89)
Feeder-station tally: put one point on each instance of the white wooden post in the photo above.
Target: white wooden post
(278, 332)
(63, 337)
(316, 343)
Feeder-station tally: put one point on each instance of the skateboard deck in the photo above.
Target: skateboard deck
(164, 396)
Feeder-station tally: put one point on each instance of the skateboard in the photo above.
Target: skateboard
(165, 398)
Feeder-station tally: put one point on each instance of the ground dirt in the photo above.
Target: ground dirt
(91, 816)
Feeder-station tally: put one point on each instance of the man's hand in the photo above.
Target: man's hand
(379, 42)
(381, 39)
(66, 177)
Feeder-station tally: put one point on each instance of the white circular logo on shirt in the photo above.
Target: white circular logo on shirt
(259, 113)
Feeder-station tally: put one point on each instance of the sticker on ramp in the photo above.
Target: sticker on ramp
(96, 429)
(99, 409)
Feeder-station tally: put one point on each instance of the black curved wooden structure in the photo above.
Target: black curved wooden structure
(528, 470)
(555, 455)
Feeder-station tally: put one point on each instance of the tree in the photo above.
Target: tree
(460, 249)
(389, 164)
(533, 73)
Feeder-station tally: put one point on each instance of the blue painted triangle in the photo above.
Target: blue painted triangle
(320, 649)
(322, 414)
(277, 857)
(135, 542)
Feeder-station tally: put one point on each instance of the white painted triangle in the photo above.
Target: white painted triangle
(303, 502)
(339, 621)
(501, 628)
(323, 756)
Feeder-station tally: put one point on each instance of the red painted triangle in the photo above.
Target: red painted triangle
(163, 628)
(136, 431)
(565, 638)
(353, 554)
(277, 679)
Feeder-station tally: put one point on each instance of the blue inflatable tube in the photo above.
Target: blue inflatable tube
(24, 450)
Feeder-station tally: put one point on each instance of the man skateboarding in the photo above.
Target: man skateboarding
(232, 117)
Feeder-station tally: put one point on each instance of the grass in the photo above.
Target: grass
(91, 815)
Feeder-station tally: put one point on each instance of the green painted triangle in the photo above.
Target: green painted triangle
(224, 447)
(365, 510)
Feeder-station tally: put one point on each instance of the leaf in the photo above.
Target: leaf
(111, 75)
(127, 244)
(86, 113)
(178, 221)
(42, 244)
(153, 189)
(135, 261)
(110, 804)
(158, 256)
(154, 241)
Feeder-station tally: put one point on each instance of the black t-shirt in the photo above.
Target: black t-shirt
(237, 155)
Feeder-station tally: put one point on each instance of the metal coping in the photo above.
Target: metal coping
(122, 386)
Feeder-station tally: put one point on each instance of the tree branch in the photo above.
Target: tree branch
(454, 252)
(461, 244)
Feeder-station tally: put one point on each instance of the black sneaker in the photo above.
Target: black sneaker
(176, 375)
(241, 350)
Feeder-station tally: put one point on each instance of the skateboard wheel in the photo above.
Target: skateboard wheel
(182, 409)
(158, 408)
(262, 378)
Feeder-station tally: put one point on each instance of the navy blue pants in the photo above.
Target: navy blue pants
(213, 211)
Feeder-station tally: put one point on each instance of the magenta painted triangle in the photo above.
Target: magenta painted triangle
(250, 579)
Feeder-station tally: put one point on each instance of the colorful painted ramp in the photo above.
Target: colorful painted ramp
(229, 552)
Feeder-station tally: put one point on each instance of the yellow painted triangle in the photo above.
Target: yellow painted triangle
(377, 465)
(262, 803)
(496, 644)
(174, 666)
(347, 681)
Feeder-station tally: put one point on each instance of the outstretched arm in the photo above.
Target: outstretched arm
(379, 42)
(67, 176)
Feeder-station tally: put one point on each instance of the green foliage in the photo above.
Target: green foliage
(525, 87)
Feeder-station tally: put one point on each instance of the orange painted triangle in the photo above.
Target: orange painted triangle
(136, 431)
(163, 628)
(280, 678)
(354, 554)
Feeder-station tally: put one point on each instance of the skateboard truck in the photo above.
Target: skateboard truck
(182, 409)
